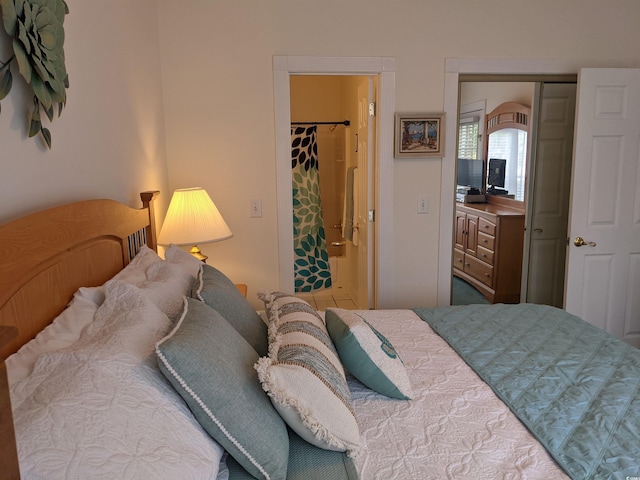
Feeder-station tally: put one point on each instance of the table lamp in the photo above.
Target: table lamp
(193, 218)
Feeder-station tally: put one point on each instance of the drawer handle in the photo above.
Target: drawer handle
(468, 264)
(483, 255)
(486, 275)
(484, 240)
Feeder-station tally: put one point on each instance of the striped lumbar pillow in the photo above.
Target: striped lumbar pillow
(304, 377)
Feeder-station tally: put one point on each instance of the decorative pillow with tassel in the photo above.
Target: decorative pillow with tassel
(367, 354)
(304, 378)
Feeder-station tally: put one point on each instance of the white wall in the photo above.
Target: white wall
(218, 84)
(109, 140)
(216, 88)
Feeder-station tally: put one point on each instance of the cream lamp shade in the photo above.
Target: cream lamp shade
(193, 218)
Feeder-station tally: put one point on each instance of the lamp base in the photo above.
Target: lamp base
(195, 251)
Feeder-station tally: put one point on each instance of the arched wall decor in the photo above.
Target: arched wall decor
(37, 33)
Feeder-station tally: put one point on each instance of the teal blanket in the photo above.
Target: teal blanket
(575, 387)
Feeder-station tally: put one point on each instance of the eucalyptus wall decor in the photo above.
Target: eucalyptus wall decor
(36, 28)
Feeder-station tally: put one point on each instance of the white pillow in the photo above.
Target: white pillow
(185, 260)
(102, 409)
(166, 284)
(128, 318)
(93, 294)
(62, 332)
(135, 271)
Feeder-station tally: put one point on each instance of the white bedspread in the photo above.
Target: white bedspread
(454, 428)
(103, 410)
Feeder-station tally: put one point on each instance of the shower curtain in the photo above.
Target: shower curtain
(311, 260)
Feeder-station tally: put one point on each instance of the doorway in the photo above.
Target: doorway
(329, 105)
(601, 281)
(547, 182)
(381, 287)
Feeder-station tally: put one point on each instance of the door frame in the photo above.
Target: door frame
(454, 68)
(384, 69)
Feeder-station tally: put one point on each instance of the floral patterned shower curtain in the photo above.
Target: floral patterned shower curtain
(311, 260)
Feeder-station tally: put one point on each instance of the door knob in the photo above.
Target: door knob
(579, 242)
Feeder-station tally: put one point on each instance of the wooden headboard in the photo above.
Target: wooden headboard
(45, 257)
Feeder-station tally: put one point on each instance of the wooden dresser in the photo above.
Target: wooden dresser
(488, 249)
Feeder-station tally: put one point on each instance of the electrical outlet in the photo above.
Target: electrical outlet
(255, 208)
(423, 204)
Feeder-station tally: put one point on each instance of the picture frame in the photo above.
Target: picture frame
(419, 135)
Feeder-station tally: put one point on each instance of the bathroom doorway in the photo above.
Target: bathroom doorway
(336, 107)
(379, 215)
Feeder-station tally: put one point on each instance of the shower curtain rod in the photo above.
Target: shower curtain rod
(346, 123)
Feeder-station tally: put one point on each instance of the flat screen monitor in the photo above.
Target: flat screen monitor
(470, 173)
(496, 173)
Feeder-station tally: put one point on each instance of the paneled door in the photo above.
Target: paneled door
(603, 270)
(549, 211)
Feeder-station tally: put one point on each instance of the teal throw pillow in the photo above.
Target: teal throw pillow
(367, 354)
(211, 366)
(216, 290)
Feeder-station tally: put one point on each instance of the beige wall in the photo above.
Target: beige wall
(212, 61)
(109, 141)
(218, 85)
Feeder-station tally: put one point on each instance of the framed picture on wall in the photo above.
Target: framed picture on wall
(419, 135)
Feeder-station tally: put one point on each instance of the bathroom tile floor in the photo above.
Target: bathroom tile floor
(333, 297)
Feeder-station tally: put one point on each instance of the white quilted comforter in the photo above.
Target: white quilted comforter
(101, 409)
(454, 428)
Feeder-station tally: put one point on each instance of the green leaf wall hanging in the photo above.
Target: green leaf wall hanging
(36, 28)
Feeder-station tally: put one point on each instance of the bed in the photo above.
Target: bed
(122, 364)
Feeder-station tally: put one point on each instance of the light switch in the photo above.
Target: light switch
(423, 204)
(255, 208)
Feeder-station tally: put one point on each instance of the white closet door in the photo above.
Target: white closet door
(603, 274)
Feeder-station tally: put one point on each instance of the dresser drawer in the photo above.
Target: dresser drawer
(485, 255)
(486, 226)
(479, 270)
(458, 259)
(486, 241)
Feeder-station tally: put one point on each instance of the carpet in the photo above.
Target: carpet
(463, 293)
